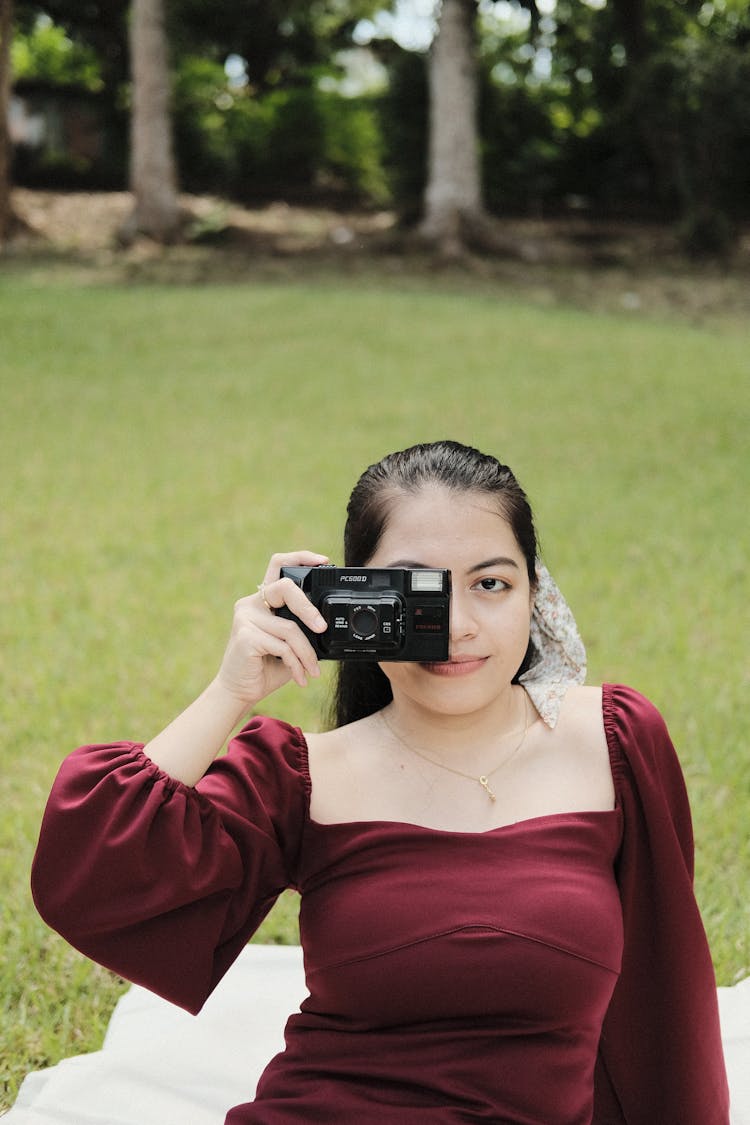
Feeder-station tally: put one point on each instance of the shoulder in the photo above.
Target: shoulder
(580, 731)
(570, 762)
(581, 721)
(331, 746)
(618, 724)
(345, 771)
(582, 704)
(613, 718)
(610, 710)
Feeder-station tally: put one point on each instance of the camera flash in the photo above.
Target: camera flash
(426, 581)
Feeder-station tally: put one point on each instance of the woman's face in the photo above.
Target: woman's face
(491, 599)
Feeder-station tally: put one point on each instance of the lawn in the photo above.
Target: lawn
(158, 442)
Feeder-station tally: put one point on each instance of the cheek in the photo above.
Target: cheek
(514, 636)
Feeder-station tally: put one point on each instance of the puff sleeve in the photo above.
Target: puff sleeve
(163, 883)
(661, 1057)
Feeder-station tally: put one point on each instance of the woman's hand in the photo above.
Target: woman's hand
(265, 651)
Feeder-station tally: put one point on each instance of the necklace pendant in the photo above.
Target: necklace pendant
(484, 782)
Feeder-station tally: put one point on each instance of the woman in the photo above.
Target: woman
(494, 861)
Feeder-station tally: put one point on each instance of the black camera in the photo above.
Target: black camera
(375, 614)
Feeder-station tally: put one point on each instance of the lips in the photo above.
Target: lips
(457, 666)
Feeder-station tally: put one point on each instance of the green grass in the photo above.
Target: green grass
(158, 443)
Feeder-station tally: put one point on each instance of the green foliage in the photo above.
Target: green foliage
(639, 110)
(96, 25)
(200, 102)
(404, 117)
(693, 105)
(47, 53)
(288, 142)
(278, 39)
(637, 115)
(353, 149)
(282, 143)
(521, 150)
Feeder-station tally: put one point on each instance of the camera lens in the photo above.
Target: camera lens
(364, 621)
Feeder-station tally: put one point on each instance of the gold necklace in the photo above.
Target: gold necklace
(483, 779)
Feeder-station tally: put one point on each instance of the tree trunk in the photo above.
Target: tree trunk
(153, 175)
(453, 194)
(6, 28)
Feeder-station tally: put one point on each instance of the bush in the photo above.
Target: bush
(46, 53)
(78, 134)
(404, 125)
(353, 148)
(279, 143)
(521, 154)
(693, 107)
(200, 102)
(291, 142)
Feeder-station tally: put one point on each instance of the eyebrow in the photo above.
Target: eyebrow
(500, 560)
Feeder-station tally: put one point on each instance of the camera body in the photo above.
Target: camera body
(376, 613)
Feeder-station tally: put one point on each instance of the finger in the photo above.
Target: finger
(302, 650)
(286, 592)
(278, 634)
(255, 625)
(293, 558)
(278, 648)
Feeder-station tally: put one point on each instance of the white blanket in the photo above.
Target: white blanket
(161, 1066)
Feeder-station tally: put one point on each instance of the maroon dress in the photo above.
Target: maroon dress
(453, 977)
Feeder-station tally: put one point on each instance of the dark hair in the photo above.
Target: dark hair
(361, 688)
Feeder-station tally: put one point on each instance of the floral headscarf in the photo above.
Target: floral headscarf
(560, 656)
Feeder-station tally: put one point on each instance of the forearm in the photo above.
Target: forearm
(264, 651)
(187, 747)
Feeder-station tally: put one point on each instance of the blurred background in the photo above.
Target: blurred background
(636, 109)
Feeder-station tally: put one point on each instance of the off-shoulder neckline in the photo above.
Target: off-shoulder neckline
(526, 823)
(583, 818)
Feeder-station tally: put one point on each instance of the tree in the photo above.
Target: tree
(454, 213)
(153, 173)
(277, 41)
(453, 196)
(6, 25)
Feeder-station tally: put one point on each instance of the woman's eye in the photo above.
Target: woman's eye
(492, 584)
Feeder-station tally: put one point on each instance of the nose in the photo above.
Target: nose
(463, 622)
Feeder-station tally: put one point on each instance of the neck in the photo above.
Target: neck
(449, 734)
